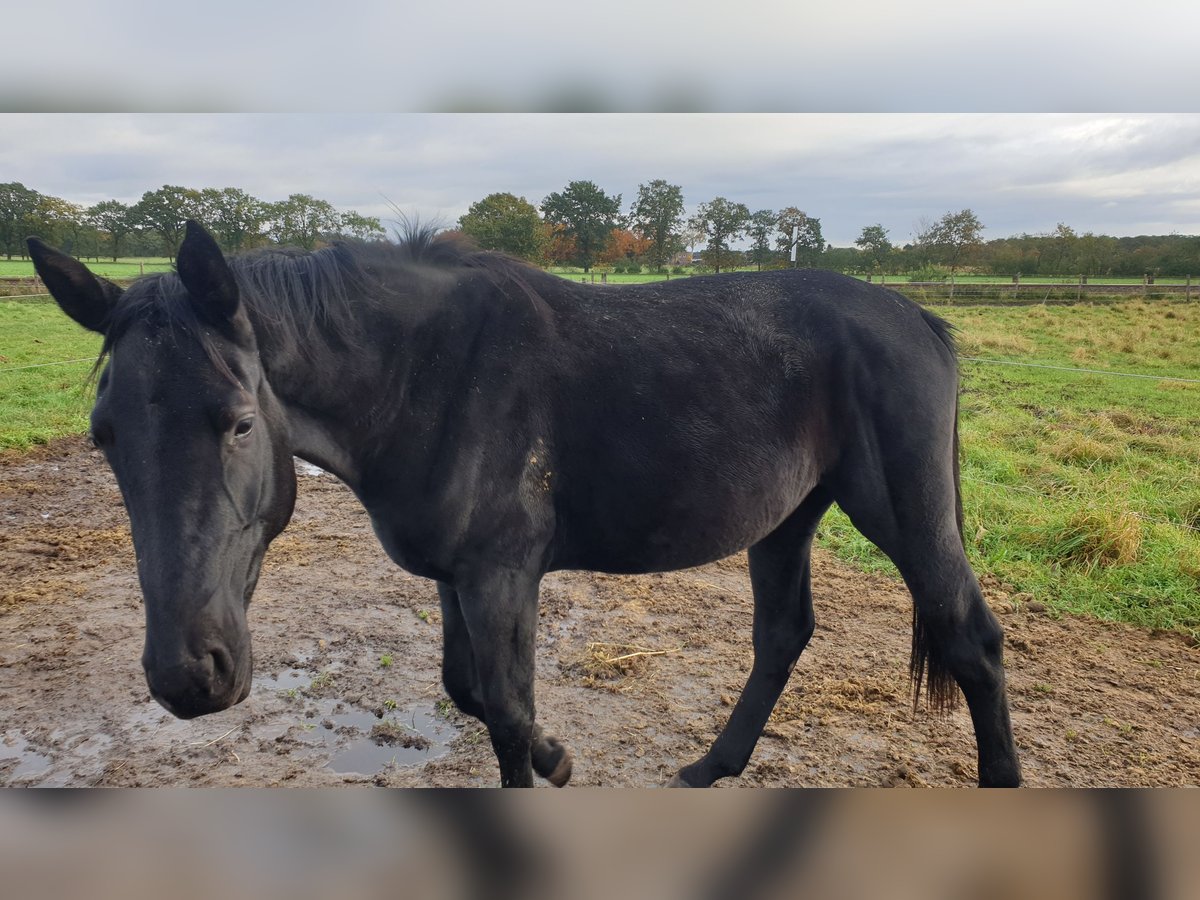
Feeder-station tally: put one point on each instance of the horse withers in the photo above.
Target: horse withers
(497, 423)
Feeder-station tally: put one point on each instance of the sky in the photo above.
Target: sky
(1119, 174)
(1029, 112)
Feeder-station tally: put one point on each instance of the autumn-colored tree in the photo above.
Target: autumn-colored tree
(624, 246)
(561, 249)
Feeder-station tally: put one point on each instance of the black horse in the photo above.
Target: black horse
(498, 423)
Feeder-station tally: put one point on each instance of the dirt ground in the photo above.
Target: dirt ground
(636, 674)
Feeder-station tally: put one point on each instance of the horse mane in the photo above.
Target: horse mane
(298, 296)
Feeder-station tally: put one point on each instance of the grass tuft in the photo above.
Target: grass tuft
(1080, 449)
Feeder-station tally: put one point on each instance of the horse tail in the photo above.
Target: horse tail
(925, 665)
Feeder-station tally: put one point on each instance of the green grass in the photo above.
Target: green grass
(1079, 490)
(38, 404)
(614, 277)
(1036, 279)
(122, 268)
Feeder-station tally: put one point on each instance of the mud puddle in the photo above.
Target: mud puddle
(24, 762)
(358, 741)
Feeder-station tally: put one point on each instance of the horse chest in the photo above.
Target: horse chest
(412, 546)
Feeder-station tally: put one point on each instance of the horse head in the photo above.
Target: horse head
(200, 448)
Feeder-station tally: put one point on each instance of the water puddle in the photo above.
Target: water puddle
(29, 762)
(358, 741)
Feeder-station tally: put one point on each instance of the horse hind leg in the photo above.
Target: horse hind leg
(783, 624)
(911, 515)
(550, 757)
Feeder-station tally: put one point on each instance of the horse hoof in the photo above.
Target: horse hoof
(552, 760)
(677, 782)
(562, 772)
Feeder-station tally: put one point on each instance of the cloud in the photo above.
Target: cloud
(1018, 172)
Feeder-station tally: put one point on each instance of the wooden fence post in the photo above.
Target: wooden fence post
(1187, 297)
(141, 268)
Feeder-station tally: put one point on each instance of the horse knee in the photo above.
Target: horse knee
(970, 645)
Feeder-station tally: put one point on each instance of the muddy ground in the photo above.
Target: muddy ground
(637, 674)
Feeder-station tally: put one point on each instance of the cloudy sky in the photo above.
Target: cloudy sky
(1108, 173)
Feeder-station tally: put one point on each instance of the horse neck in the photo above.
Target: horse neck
(336, 395)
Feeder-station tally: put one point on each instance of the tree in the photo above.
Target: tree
(507, 223)
(657, 215)
(17, 206)
(114, 218)
(692, 234)
(801, 231)
(952, 238)
(624, 247)
(1058, 257)
(561, 249)
(166, 211)
(721, 221)
(587, 215)
(875, 245)
(235, 217)
(760, 230)
(301, 220)
(365, 228)
(68, 223)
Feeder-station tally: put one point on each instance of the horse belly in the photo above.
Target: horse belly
(661, 523)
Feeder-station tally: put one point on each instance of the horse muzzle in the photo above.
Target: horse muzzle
(198, 684)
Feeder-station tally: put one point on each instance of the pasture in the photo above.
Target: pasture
(1079, 495)
(129, 267)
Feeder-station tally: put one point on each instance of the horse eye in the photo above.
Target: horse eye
(244, 427)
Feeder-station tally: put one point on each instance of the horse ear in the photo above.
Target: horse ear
(206, 275)
(81, 295)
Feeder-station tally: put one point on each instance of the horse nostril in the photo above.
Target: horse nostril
(222, 664)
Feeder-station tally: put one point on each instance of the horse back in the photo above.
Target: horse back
(686, 420)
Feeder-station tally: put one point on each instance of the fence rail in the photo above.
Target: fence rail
(1026, 292)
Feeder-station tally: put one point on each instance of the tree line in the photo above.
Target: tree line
(154, 225)
(583, 225)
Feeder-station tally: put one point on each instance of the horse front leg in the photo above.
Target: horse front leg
(551, 758)
(499, 610)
